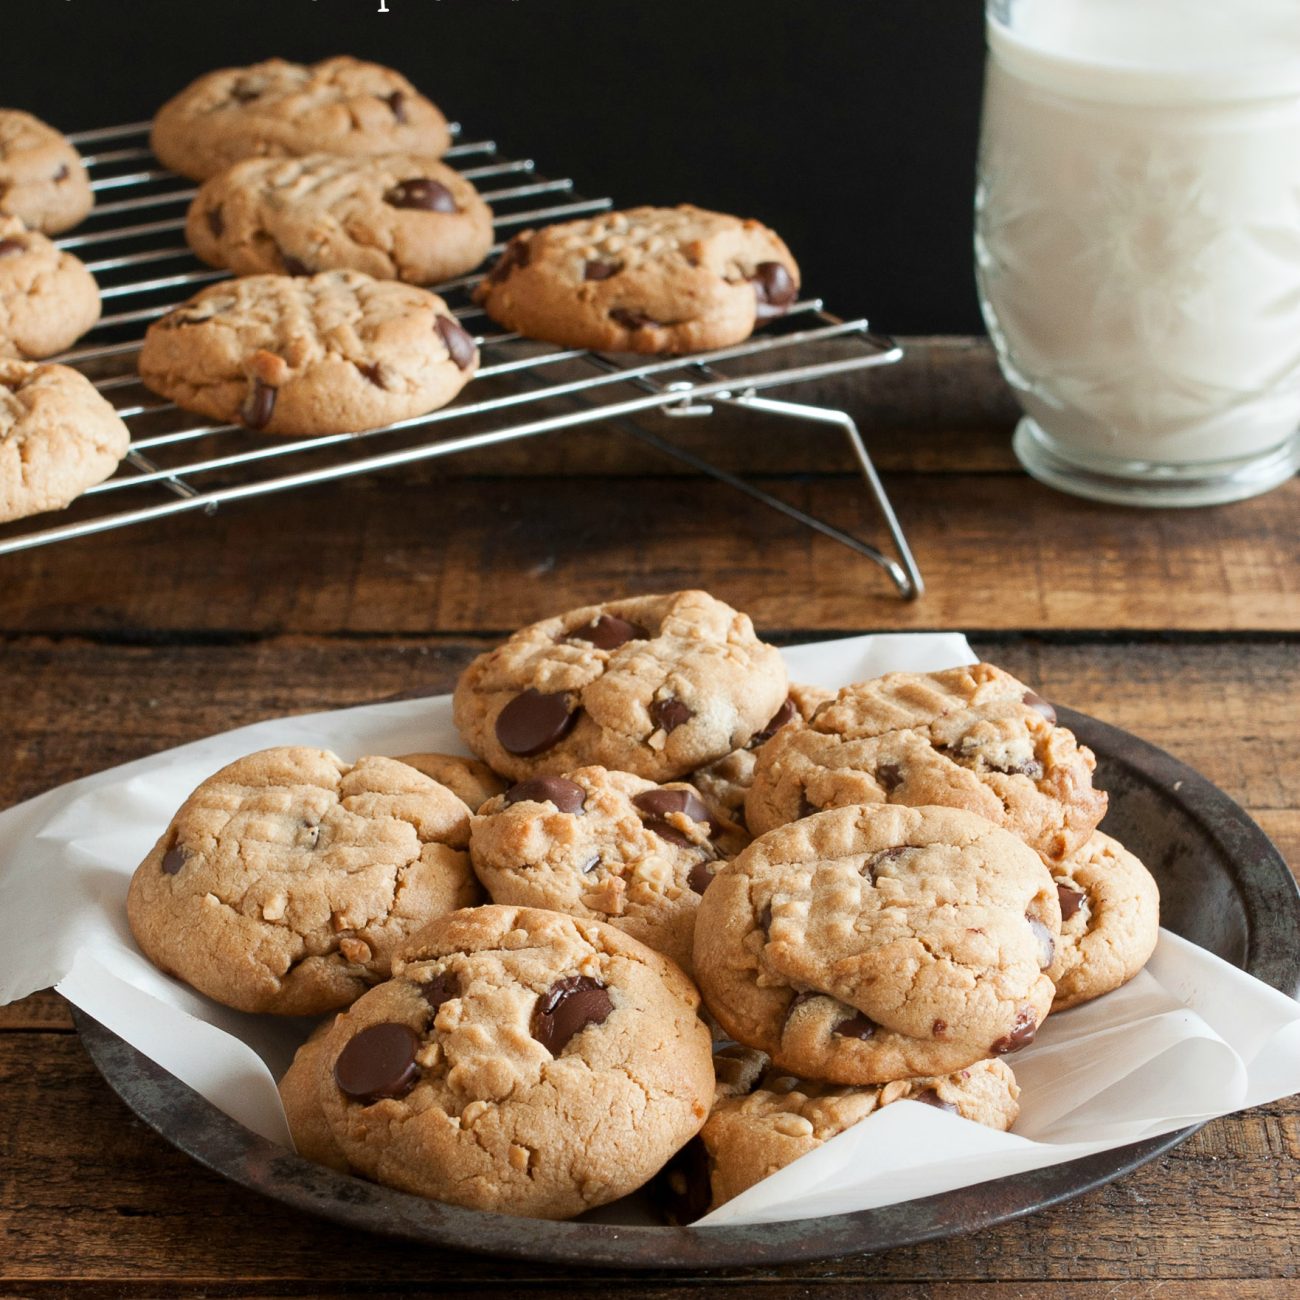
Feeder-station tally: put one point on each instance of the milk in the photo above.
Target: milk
(1138, 229)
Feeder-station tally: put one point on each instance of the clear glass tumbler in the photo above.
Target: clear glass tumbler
(1137, 242)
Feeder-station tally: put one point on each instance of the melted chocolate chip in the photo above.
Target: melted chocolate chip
(608, 632)
(378, 1062)
(292, 265)
(567, 1008)
(701, 876)
(1071, 900)
(877, 860)
(670, 714)
(1046, 943)
(533, 722)
(1022, 1033)
(667, 831)
(939, 1029)
(660, 802)
(1036, 701)
(929, 1097)
(216, 222)
(629, 319)
(856, 1026)
(597, 270)
(774, 289)
(889, 776)
(786, 713)
(441, 988)
(258, 405)
(567, 796)
(397, 104)
(174, 859)
(460, 346)
(8, 247)
(423, 193)
(515, 254)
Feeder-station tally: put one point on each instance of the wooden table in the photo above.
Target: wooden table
(1180, 626)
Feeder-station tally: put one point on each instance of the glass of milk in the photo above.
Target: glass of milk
(1137, 242)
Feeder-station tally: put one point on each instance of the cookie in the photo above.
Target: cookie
(287, 879)
(58, 437)
(331, 353)
(48, 299)
(652, 685)
(393, 216)
(607, 846)
(726, 782)
(645, 280)
(277, 109)
(973, 738)
(468, 779)
(868, 944)
(300, 1093)
(749, 1137)
(519, 1061)
(43, 181)
(1110, 921)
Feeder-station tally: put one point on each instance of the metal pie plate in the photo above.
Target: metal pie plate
(1223, 886)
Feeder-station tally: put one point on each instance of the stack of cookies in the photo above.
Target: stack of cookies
(680, 921)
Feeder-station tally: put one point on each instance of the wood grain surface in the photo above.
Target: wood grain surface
(1183, 627)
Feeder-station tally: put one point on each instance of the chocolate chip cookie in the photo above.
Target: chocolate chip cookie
(868, 944)
(605, 845)
(468, 779)
(58, 437)
(331, 353)
(652, 685)
(726, 782)
(645, 280)
(749, 1137)
(519, 1061)
(48, 299)
(277, 109)
(287, 879)
(393, 216)
(972, 738)
(42, 179)
(1110, 921)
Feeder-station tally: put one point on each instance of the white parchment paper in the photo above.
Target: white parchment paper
(1191, 1038)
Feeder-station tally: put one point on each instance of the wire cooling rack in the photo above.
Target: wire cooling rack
(134, 244)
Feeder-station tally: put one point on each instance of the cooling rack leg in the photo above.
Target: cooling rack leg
(903, 572)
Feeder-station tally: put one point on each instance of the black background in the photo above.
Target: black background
(848, 125)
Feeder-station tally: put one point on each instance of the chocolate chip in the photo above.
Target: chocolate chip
(774, 288)
(590, 865)
(567, 796)
(174, 859)
(1071, 900)
(258, 405)
(533, 722)
(667, 831)
(216, 222)
(1036, 701)
(857, 1026)
(878, 860)
(660, 802)
(1022, 1033)
(371, 372)
(567, 1008)
(292, 266)
(597, 270)
(701, 876)
(62, 173)
(378, 1062)
(460, 346)
(939, 1029)
(397, 103)
(515, 254)
(608, 632)
(889, 776)
(422, 192)
(8, 247)
(441, 988)
(684, 1186)
(786, 713)
(1046, 943)
(670, 714)
(629, 319)
(929, 1097)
